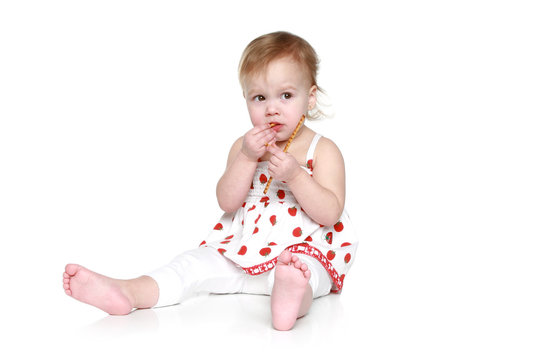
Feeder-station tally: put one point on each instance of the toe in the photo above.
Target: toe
(307, 274)
(71, 269)
(285, 257)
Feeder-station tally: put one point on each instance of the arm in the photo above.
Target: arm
(322, 196)
(234, 185)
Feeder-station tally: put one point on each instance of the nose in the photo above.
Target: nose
(272, 108)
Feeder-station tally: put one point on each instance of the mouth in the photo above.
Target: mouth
(276, 126)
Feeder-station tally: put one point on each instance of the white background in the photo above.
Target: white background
(115, 122)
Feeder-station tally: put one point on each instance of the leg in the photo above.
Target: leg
(291, 295)
(116, 297)
(197, 271)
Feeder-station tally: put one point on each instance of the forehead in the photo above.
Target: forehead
(278, 70)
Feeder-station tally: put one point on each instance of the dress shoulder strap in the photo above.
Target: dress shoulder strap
(311, 151)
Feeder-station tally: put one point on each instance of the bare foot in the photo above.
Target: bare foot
(292, 294)
(107, 294)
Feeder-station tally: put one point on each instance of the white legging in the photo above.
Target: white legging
(205, 270)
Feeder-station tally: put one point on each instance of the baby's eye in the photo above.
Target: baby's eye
(258, 98)
(286, 95)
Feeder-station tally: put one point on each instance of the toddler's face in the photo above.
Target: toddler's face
(279, 95)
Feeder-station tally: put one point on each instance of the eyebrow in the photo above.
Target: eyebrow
(288, 86)
(258, 91)
(254, 92)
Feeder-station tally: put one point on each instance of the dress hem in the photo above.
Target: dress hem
(305, 249)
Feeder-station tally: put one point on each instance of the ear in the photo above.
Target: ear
(312, 97)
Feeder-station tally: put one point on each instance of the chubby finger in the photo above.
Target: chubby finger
(265, 136)
(255, 130)
(271, 148)
(275, 150)
(274, 162)
(280, 155)
(269, 138)
(264, 128)
(271, 169)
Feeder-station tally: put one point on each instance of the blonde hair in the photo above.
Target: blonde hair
(266, 48)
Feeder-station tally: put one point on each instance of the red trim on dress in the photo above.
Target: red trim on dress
(305, 249)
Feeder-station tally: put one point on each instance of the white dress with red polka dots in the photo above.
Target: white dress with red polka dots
(254, 235)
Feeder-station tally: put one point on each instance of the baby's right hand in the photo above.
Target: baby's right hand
(256, 140)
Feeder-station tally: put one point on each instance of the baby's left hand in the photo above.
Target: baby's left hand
(282, 166)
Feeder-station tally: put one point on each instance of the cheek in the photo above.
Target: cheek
(256, 116)
(296, 113)
(301, 105)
